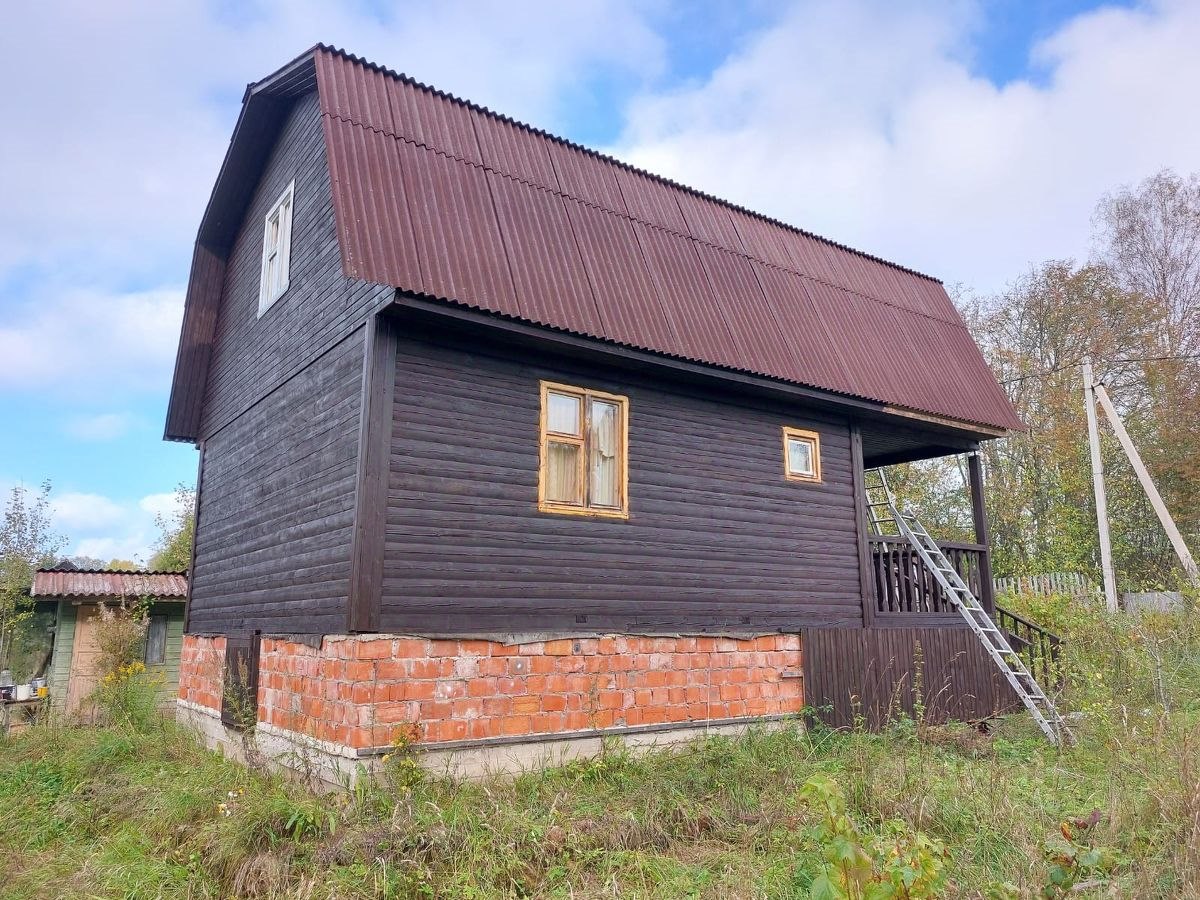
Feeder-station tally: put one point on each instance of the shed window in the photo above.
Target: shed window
(277, 250)
(801, 455)
(584, 442)
(156, 641)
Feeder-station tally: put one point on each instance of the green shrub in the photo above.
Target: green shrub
(900, 862)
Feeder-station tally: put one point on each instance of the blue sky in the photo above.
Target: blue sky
(966, 138)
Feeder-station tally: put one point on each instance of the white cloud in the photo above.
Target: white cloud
(105, 182)
(132, 547)
(99, 427)
(91, 343)
(863, 121)
(165, 505)
(86, 512)
(111, 528)
(128, 105)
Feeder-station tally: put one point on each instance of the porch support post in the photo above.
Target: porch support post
(982, 536)
(866, 580)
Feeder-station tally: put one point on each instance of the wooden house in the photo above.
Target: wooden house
(74, 670)
(507, 440)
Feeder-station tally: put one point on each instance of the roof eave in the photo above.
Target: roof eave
(852, 405)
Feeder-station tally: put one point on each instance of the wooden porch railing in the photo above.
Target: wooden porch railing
(904, 587)
(904, 584)
(1040, 648)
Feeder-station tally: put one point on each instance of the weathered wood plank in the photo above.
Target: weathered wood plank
(872, 675)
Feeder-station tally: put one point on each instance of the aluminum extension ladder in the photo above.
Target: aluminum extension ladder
(887, 520)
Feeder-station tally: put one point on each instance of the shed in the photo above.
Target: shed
(73, 672)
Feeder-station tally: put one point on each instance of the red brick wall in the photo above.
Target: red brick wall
(201, 670)
(358, 692)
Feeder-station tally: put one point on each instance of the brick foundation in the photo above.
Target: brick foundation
(201, 671)
(358, 692)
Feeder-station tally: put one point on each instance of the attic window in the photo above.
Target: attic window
(277, 250)
(801, 455)
(584, 444)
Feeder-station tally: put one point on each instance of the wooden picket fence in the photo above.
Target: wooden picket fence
(1072, 583)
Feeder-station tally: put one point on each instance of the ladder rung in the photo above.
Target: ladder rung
(993, 638)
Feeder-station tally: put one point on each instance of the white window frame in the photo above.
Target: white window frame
(281, 251)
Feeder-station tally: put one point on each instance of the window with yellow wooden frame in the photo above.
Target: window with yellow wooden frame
(801, 455)
(585, 448)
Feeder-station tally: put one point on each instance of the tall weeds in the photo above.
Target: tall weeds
(121, 812)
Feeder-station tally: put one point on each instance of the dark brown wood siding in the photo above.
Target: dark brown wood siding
(252, 356)
(871, 674)
(717, 539)
(281, 416)
(277, 508)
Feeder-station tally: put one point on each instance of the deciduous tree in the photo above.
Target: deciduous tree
(27, 542)
(173, 553)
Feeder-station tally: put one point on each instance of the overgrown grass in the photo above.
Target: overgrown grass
(122, 813)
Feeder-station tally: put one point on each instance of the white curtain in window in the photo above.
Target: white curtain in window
(562, 473)
(562, 413)
(604, 443)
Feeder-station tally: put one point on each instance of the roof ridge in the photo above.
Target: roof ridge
(662, 179)
(57, 570)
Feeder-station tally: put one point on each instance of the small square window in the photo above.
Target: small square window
(801, 455)
(584, 452)
(277, 250)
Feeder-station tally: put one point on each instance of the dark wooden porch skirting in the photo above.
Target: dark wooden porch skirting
(871, 673)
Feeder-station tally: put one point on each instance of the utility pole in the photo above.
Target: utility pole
(1156, 500)
(1106, 561)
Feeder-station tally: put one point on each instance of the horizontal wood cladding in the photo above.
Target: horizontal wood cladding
(276, 510)
(251, 355)
(853, 673)
(717, 538)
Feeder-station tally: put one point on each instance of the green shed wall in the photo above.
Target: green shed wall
(64, 643)
(60, 661)
(169, 689)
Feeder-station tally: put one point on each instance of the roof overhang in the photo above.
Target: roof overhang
(265, 106)
(931, 436)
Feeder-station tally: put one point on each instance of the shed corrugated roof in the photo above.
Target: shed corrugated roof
(76, 583)
(440, 197)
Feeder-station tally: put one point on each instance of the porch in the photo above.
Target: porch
(918, 655)
(907, 595)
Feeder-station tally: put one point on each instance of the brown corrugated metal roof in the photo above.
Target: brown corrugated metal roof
(446, 199)
(440, 197)
(75, 583)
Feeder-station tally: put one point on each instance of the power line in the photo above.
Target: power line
(1123, 359)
